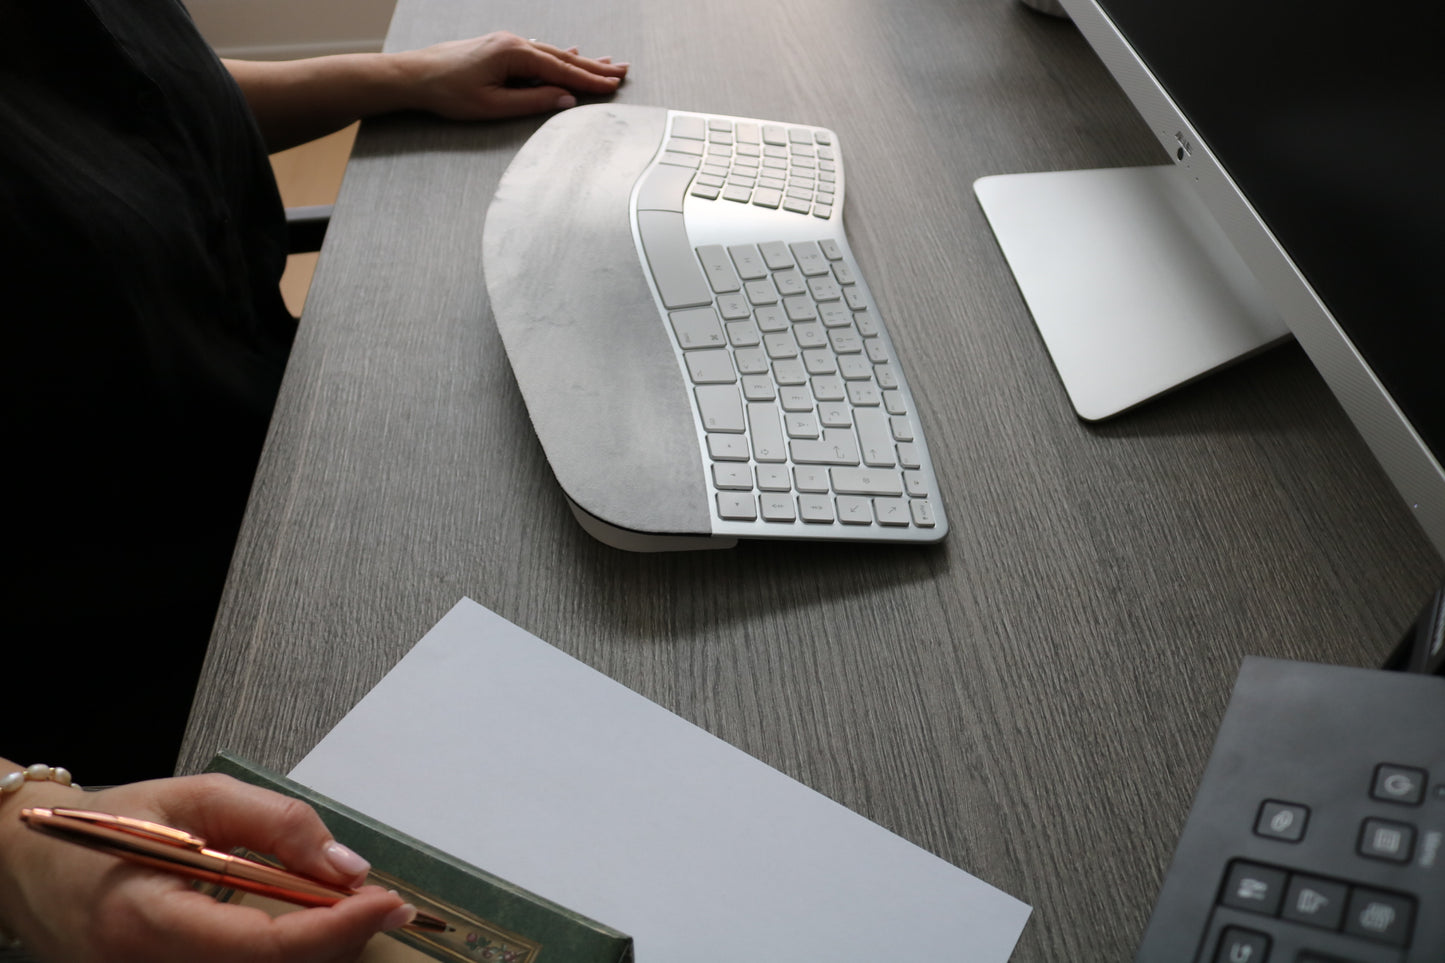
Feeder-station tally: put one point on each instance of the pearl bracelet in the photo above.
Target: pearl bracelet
(11, 782)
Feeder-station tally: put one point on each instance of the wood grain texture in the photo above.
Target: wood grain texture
(1032, 700)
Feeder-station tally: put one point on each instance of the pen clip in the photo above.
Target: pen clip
(124, 824)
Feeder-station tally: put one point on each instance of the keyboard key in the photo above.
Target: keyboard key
(834, 415)
(916, 483)
(679, 159)
(780, 345)
(771, 318)
(761, 291)
(1384, 917)
(766, 432)
(1239, 945)
(863, 393)
(776, 255)
(710, 366)
(819, 361)
(732, 476)
(810, 258)
(801, 424)
(789, 371)
(734, 307)
(854, 510)
(810, 334)
(811, 480)
(718, 267)
(1387, 840)
(799, 308)
(865, 481)
(817, 509)
(823, 289)
(1315, 902)
(720, 407)
(796, 398)
(664, 188)
(831, 250)
(758, 387)
(836, 447)
(685, 146)
(774, 478)
(845, 341)
(752, 361)
(893, 512)
(908, 456)
(734, 192)
(697, 328)
(737, 506)
(679, 279)
(1259, 889)
(1399, 784)
(778, 507)
(922, 513)
(1282, 820)
(747, 133)
(748, 261)
(691, 127)
(767, 197)
(743, 334)
(789, 283)
(727, 447)
(875, 438)
(829, 389)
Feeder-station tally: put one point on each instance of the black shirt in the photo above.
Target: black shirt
(141, 245)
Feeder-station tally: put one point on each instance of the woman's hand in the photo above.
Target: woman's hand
(502, 75)
(70, 903)
(485, 78)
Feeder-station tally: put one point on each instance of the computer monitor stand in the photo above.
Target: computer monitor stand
(1131, 282)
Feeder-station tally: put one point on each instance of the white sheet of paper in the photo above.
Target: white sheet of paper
(492, 745)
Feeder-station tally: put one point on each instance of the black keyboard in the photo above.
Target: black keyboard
(1318, 831)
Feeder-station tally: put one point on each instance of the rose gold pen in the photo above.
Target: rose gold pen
(180, 852)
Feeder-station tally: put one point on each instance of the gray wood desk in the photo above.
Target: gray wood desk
(1033, 700)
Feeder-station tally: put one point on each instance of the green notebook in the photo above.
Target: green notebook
(492, 919)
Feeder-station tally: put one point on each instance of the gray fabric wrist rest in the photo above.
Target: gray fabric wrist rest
(595, 365)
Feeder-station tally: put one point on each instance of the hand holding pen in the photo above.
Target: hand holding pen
(71, 903)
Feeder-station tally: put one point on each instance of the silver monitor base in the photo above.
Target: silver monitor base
(1131, 283)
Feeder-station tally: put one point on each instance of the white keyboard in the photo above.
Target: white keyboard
(804, 418)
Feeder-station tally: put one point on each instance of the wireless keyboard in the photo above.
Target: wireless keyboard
(1316, 833)
(797, 420)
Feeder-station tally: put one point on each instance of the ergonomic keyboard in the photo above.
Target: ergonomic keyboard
(799, 419)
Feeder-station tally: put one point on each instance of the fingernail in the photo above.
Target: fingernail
(345, 862)
(566, 101)
(399, 917)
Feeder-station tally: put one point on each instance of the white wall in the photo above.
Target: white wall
(285, 29)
